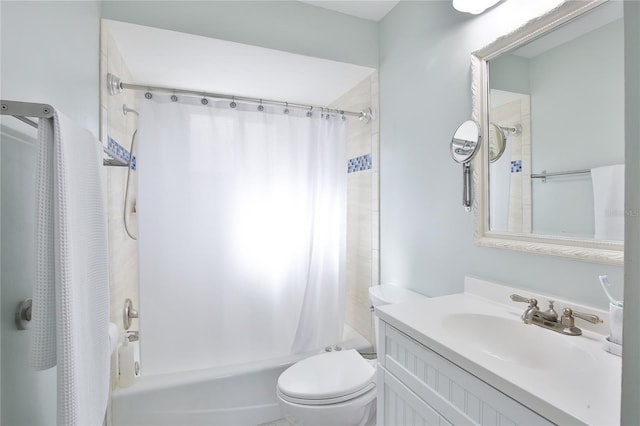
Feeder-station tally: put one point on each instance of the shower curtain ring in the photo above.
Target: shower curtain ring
(260, 107)
(233, 102)
(286, 108)
(204, 100)
(310, 112)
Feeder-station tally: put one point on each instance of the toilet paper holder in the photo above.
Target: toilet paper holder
(128, 313)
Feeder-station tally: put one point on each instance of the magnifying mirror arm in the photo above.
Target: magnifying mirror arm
(466, 187)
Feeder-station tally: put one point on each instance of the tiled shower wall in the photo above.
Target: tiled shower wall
(114, 124)
(363, 250)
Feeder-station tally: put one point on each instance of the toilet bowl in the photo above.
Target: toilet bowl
(336, 387)
(328, 389)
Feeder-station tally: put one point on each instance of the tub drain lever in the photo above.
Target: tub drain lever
(128, 314)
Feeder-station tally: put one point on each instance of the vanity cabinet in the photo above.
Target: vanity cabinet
(416, 386)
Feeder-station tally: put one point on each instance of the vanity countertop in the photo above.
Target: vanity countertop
(566, 379)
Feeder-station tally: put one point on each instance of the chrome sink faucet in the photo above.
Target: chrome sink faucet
(549, 319)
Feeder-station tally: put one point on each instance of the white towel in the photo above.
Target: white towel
(71, 293)
(608, 202)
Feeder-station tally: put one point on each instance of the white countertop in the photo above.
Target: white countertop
(584, 390)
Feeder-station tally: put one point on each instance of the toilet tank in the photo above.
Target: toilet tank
(386, 294)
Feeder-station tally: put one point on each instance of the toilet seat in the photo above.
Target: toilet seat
(328, 378)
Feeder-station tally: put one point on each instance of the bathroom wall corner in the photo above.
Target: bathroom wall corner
(362, 205)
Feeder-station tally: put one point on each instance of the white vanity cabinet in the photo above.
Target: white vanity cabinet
(416, 386)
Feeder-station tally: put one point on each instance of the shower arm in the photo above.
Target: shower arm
(515, 130)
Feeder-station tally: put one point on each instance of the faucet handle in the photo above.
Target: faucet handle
(593, 319)
(518, 298)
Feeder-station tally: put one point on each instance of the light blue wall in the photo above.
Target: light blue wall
(50, 53)
(426, 236)
(283, 25)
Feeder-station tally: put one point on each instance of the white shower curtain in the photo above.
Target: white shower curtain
(242, 225)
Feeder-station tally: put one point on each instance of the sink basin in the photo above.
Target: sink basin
(511, 341)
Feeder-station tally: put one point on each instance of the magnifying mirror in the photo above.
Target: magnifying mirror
(498, 136)
(497, 142)
(464, 145)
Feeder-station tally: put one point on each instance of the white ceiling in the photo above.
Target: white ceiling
(172, 59)
(366, 9)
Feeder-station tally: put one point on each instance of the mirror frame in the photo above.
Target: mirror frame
(575, 248)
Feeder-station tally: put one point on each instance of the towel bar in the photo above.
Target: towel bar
(22, 110)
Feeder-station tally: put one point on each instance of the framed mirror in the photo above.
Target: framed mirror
(549, 99)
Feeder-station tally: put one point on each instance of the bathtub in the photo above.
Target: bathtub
(237, 395)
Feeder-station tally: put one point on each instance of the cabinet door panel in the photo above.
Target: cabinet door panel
(402, 407)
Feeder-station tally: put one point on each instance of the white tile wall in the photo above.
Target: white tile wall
(362, 207)
(123, 255)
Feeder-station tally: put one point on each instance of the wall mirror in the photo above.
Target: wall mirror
(549, 99)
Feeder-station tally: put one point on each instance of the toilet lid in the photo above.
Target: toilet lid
(327, 378)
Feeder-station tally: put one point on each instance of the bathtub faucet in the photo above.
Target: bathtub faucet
(132, 336)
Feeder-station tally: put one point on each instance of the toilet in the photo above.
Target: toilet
(337, 387)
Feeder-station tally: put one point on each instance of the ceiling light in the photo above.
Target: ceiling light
(473, 6)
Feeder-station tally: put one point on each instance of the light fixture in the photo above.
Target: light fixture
(474, 7)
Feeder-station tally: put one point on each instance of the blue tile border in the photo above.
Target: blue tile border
(516, 166)
(359, 164)
(118, 151)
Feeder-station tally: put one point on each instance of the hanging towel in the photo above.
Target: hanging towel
(71, 292)
(608, 202)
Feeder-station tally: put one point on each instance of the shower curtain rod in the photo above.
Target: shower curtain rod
(115, 86)
(22, 110)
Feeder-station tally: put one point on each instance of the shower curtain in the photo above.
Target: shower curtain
(242, 227)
